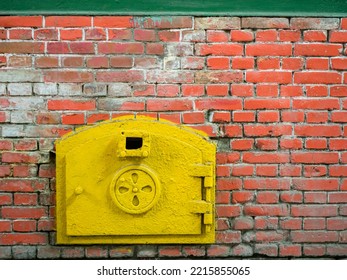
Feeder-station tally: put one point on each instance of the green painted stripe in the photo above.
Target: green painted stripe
(176, 7)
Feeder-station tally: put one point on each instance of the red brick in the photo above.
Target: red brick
(338, 36)
(317, 130)
(315, 184)
(96, 252)
(21, 21)
(269, 250)
(292, 63)
(262, 157)
(269, 49)
(267, 90)
(68, 76)
(114, 21)
(155, 48)
(338, 197)
(224, 184)
(168, 36)
(314, 236)
(290, 250)
(120, 48)
(268, 116)
(290, 170)
(170, 251)
(242, 144)
(194, 117)
(218, 104)
(339, 63)
(317, 78)
(241, 90)
(23, 212)
(317, 63)
(24, 225)
(223, 197)
(228, 210)
(314, 250)
(228, 237)
(215, 36)
(119, 34)
(242, 196)
(23, 239)
(317, 49)
(28, 199)
(266, 144)
(242, 63)
(319, 144)
(292, 144)
(266, 223)
(219, 49)
(67, 104)
(217, 90)
(337, 223)
(266, 35)
(315, 36)
(20, 34)
(267, 197)
(315, 197)
(256, 104)
(218, 251)
(266, 170)
(22, 47)
(5, 226)
(338, 144)
(314, 223)
(144, 35)
(267, 130)
(316, 104)
(270, 77)
(315, 171)
(71, 34)
(97, 62)
(241, 36)
(267, 63)
(217, 63)
(5, 170)
(266, 210)
(266, 184)
(221, 117)
(193, 251)
(96, 34)
(120, 76)
(313, 211)
(168, 90)
(47, 62)
(243, 223)
(17, 157)
(169, 105)
(291, 223)
(338, 91)
(289, 35)
(243, 116)
(68, 21)
(193, 90)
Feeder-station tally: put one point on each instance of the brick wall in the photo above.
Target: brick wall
(271, 92)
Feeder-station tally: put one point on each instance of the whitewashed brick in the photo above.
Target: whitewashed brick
(14, 76)
(119, 90)
(95, 89)
(46, 89)
(70, 89)
(22, 117)
(18, 89)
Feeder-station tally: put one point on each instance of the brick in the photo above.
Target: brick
(290, 250)
(67, 104)
(338, 36)
(22, 47)
(24, 252)
(317, 78)
(315, 36)
(21, 21)
(315, 197)
(232, 131)
(73, 62)
(224, 23)
(317, 49)
(269, 77)
(193, 90)
(23, 239)
(5, 226)
(217, 90)
(228, 184)
(265, 197)
(314, 23)
(218, 63)
(114, 21)
(19, 61)
(314, 223)
(316, 104)
(338, 144)
(270, 250)
(316, 144)
(268, 63)
(96, 34)
(192, 62)
(218, 104)
(170, 251)
(291, 223)
(68, 77)
(122, 252)
(68, 21)
(168, 36)
(47, 62)
(338, 197)
(219, 36)
(268, 49)
(317, 63)
(243, 116)
(20, 76)
(262, 22)
(317, 91)
(155, 48)
(263, 157)
(336, 250)
(336, 223)
(292, 63)
(163, 22)
(315, 171)
(317, 130)
(230, 49)
(243, 223)
(266, 210)
(267, 130)
(266, 170)
(193, 36)
(242, 170)
(289, 35)
(314, 236)
(120, 48)
(112, 104)
(266, 184)
(203, 77)
(339, 63)
(20, 34)
(292, 144)
(266, 144)
(314, 250)
(25, 199)
(242, 63)
(48, 252)
(120, 76)
(266, 36)
(315, 184)
(313, 211)
(267, 90)
(169, 105)
(46, 34)
(218, 251)
(119, 34)
(256, 104)
(71, 34)
(170, 77)
(194, 117)
(24, 225)
(228, 237)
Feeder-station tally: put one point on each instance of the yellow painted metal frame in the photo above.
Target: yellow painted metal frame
(90, 208)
